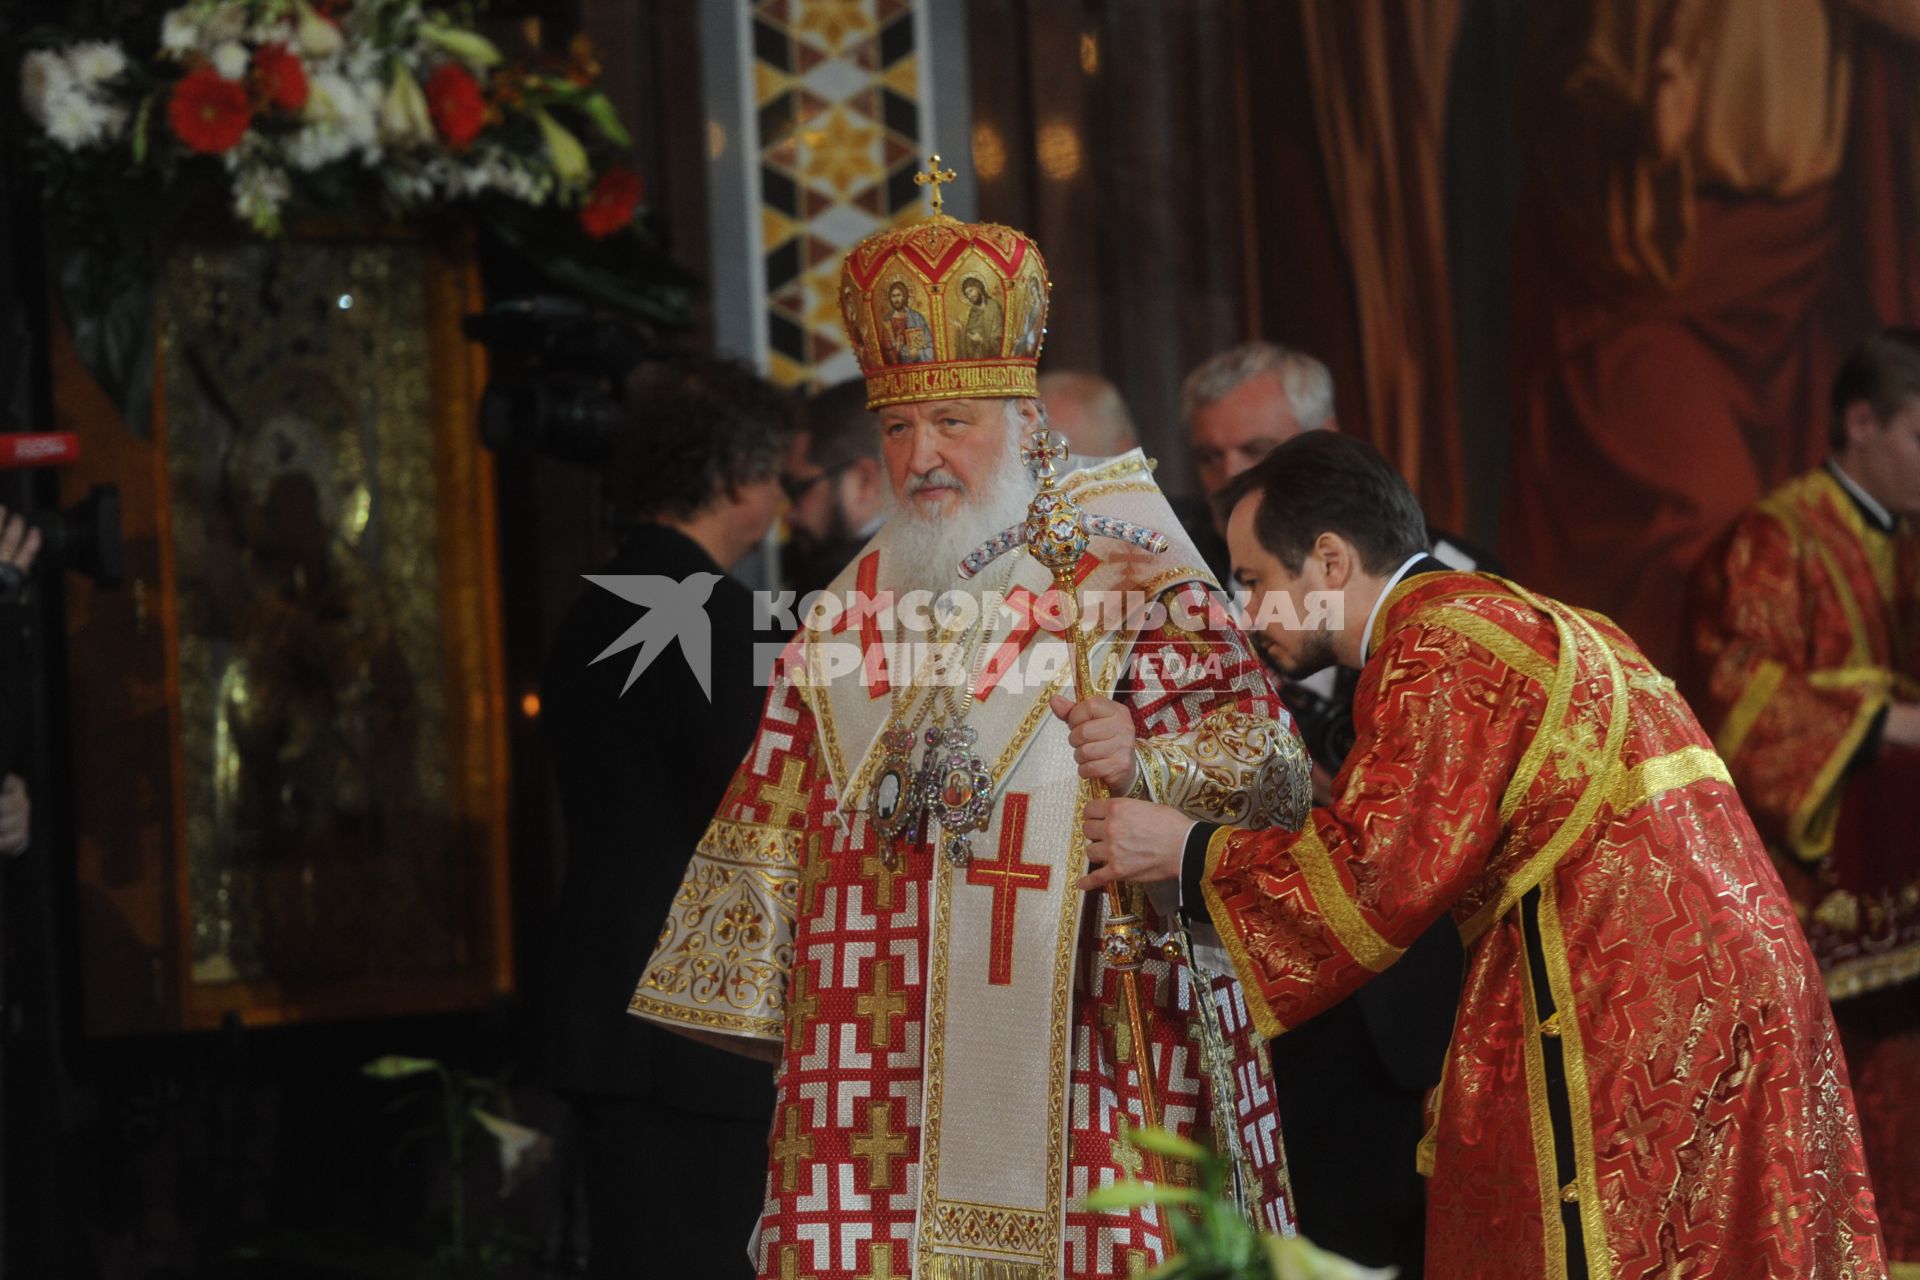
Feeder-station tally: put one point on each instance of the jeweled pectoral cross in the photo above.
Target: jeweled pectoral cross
(935, 177)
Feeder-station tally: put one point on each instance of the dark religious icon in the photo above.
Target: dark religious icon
(851, 313)
(978, 336)
(905, 335)
(1033, 306)
(895, 802)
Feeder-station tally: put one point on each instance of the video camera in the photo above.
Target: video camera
(558, 370)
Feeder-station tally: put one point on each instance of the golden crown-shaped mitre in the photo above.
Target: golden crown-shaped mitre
(945, 310)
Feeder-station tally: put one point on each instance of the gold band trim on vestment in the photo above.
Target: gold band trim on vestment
(1863, 974)
(758, 1027)
(1746, 710)
(1670, 772)
(1546, 1172)
(1362, 941)
(1554, 733)
(993, 379)
(1497, 640)
(1810, 830)
(1903, 1271)
(1262, 1013)
(1593, 1220)
(949, 1266)
(1553, 724)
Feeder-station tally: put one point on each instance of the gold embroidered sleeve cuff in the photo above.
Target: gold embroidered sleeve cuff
(727, 946)
(1234, 767)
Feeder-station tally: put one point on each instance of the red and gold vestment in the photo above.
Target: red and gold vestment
(1802, 628)
(793, 928)
(1644, 1077)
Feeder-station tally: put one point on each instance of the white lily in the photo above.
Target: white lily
(317, 37)
(404, 117)
(518, 1145)
(569, 157)
(468, 46)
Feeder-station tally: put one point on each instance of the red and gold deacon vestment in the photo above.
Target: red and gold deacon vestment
(1804, 625)
(920, 1131)
(1644, 1078)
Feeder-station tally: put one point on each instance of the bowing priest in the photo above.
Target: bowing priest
(1644, 1077)
(884, 904)
(1804, 629)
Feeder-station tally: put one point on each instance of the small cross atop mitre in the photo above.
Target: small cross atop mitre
(934, 176)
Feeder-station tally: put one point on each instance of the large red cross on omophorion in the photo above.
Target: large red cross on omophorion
(1006, 875)
(1028, 611)
(866, 604)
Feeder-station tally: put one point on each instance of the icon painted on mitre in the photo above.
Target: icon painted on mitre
(905, 335)
(983, 325)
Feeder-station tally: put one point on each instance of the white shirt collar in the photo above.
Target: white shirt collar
(1881, 516)
(1373, 614)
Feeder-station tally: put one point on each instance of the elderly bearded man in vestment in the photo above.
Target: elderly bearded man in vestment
(885, 903)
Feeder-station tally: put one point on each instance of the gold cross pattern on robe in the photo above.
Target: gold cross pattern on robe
(881, 1005)
(791, 1149)
(879, 1146)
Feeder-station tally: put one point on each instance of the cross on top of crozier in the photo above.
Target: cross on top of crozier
(1041, 452)
(934, 176)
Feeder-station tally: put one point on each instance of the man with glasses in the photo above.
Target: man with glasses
(837, 493)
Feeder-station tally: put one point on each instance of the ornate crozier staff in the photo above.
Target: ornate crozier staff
(1056, 533)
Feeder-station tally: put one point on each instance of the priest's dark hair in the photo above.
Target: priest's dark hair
(1884, 371)
(840, 428)
(699, 426)
(1325, 482)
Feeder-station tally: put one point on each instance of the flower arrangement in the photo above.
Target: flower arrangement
(282, 92)
(334, 111)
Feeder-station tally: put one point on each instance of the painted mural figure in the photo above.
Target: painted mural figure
(978, 337)
(905, 335)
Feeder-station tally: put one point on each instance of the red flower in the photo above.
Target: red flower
(612, 203)
(280, 78)
(209, 111)
(454, 101)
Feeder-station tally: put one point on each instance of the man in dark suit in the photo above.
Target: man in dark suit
(673, 1134)
(1351, 1083)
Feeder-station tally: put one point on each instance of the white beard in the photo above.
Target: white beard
(919, 552)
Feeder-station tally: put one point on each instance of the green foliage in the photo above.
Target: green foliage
(1212, 1240)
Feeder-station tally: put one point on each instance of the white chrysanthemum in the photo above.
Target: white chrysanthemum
(230, 59)
(97, 61)
(179, 31)
(223, 22)
(44, 77)
(342, 118)
(258, 193)
(75, 120)
(362, 62)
